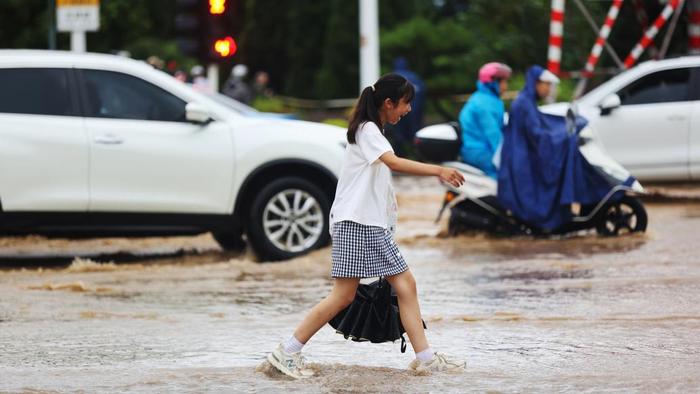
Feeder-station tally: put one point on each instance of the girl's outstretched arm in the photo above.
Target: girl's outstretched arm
(449, 175)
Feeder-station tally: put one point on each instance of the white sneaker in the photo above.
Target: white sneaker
(439, 363)
(290, 364)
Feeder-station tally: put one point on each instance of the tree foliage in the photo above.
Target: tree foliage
(310, 48)
(142, 28)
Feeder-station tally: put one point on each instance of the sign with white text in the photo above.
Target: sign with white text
(78, 15)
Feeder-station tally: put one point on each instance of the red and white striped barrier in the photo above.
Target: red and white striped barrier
(651, 32)
(643, 19)
(694, 27)
(602, 37)
(556, 35)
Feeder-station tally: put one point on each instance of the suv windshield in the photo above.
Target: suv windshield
(232, 104)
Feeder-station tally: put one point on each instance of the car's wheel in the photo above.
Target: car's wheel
(229, 240)
(288, 218)
(624, 216)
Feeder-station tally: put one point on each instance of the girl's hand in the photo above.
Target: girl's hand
(451, 176)
(447, 175)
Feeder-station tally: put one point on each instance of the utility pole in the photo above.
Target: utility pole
(369, 42)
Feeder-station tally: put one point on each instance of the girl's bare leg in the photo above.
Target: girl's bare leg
(341, 296)
(405, 286)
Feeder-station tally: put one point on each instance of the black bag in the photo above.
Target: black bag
(372, 316)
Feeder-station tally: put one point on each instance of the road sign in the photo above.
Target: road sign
(78, 15)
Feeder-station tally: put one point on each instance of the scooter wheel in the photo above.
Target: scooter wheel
(627, 215)
(453, 228)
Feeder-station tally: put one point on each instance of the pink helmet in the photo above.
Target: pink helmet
(490, 72)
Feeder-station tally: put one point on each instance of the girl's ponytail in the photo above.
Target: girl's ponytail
(365, 111)
(391, 86)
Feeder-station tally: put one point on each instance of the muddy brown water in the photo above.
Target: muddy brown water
(557, 315)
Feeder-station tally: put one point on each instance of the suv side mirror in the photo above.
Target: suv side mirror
(609, 103)
(196, 113)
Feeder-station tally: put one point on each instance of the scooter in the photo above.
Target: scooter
(474, 206)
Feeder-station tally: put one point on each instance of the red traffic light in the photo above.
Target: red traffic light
(225, 47)
(217, 7)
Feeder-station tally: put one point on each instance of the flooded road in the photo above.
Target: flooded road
(583, 313)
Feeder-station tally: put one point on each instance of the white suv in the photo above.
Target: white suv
(101, 145)
(648, 118)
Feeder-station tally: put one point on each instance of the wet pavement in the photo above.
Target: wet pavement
(176, 314)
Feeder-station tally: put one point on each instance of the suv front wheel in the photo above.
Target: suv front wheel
(288, 217)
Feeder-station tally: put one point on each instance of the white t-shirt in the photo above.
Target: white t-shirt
(365, 194)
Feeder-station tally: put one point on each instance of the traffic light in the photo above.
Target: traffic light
(205, 29)
(189, 25)
(225, 47)
(217, 7)
(219, 25)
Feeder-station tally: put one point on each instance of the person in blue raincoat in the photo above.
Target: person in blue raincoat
(542, 170)
(481, 118)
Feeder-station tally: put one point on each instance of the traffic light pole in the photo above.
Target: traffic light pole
(213, 76)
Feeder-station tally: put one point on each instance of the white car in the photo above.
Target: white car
(98, 145)
(648, 118)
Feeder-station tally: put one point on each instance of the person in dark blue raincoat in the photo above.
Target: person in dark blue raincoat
(542, 170)
(405, 130)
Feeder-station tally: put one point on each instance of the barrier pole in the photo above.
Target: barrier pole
(650, 33)
(694, 27)
(603, 35)
(556, 36)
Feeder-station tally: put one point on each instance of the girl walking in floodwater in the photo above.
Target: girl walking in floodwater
(362, 222)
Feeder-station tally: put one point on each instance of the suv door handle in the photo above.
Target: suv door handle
(108, 139)
(676, 118)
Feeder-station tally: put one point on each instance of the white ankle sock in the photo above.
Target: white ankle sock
(425, 355)
(292, 345)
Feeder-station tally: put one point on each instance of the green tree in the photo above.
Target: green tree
(339, 72)
(143, 28)
(307, 22)
(263, 41)
(24, 24)
(310, 48)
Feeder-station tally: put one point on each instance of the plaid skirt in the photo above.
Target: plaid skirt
(361, 251)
